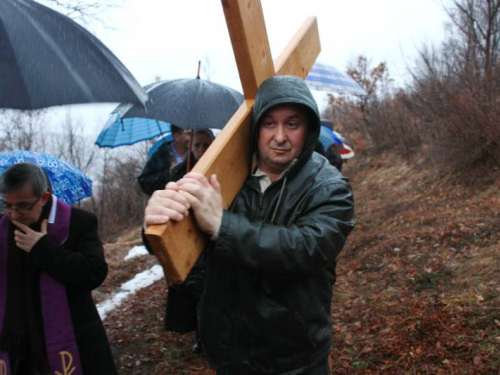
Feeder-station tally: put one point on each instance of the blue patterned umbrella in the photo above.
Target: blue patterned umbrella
(68, 182)
(325, 77)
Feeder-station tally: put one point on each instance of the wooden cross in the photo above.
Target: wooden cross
(177, 245)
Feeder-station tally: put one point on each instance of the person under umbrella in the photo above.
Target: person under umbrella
(332, 144)
(156, 172)
(332, 153)
(202, 139)
(51, 258)
(183, 299)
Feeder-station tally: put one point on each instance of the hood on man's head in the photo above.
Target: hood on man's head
(286, 90)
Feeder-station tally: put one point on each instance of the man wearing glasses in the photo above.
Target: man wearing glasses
(51, 258)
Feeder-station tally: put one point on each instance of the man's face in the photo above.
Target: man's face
(182, 138)
(201, 142)
(282, 134)
(25, 206)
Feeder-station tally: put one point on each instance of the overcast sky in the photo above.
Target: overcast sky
(166, 38)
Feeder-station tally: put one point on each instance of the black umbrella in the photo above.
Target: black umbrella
(46, 59)
(188, 103)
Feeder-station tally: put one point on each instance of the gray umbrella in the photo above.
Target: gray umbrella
(46, 59)
(188, 103)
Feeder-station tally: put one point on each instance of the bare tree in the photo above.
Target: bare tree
(73, 146)
(366, 114)
(84, 11)
(456, 87)
(475, 38)
(118, 198)
(375, 80)
(383, 119)
(21, 130)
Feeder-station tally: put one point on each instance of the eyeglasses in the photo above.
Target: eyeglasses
(21, 208)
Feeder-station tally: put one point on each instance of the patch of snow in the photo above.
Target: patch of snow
(141, 280)
(135, 252)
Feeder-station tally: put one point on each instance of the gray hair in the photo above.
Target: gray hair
(21, 175)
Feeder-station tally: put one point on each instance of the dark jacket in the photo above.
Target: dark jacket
(156, 173)
(178, 171)
(334, 158)
(79, 264)
(269, 276)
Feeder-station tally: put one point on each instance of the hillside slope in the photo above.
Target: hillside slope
(418, 288)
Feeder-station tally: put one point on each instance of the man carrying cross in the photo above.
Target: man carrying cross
(271, 264)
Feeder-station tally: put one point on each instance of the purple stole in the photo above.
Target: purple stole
(60, 342)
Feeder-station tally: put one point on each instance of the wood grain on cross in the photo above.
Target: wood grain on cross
(177, 245)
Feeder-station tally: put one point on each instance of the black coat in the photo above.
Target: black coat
(268, 283)
(178, 171)
(156, 173)
(79, 264)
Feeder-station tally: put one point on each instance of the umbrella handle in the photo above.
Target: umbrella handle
(188, 166)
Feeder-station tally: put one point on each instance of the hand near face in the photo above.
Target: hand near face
(26, 238)
(165, 205)
(205, 198)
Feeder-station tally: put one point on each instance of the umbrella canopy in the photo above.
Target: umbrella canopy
(188, 103)
(125, 132)
(69, 183)
(325, 77)
(155, 146)
(46, 59)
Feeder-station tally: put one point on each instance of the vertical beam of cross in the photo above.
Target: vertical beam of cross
(178, 245)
